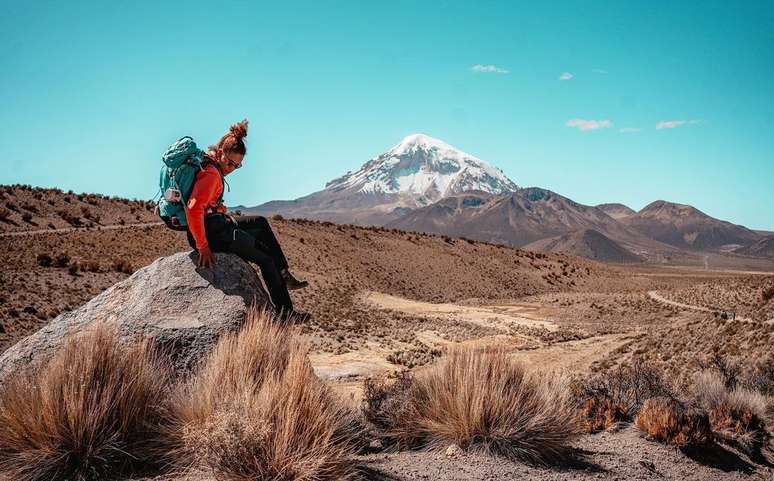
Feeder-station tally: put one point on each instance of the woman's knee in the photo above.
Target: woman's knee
(262, 222)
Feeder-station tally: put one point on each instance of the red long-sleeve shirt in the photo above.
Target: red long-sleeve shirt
(205, 198)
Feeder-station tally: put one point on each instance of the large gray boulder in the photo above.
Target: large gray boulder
(182, 307)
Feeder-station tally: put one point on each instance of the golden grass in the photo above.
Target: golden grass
(92, 410)
(669, 421)
(477, 399)
(256, 411)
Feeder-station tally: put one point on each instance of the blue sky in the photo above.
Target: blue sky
(92, 93)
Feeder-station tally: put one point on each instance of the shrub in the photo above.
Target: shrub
(256, 410)
(88, 413)
(277, 217)
(4, 213)
(736, 414)
(761, 378)
(729, 370)
(44, 260)
(73, 268)
(670, 421)
(478, 400)
(600, 413)
(62, 260)
(122, 265)
(617, 395)
(91, 266)
(27, 217)
(767, 294)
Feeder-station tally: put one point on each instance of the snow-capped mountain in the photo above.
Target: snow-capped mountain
(416, 172)
(423, 166)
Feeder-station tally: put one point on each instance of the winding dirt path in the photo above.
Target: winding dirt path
(659, 298)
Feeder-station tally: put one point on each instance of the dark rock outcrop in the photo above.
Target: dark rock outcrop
(182, 307)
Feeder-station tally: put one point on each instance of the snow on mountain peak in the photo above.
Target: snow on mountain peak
(423, 166)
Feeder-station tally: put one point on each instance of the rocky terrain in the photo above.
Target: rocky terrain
(384, 301)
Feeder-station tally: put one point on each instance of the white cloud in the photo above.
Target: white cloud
(598, 70)
(488, 69)
(566, 76)
(629, 129)
(584, 125)
(673, 124)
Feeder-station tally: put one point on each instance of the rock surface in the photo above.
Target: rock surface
(182, 307)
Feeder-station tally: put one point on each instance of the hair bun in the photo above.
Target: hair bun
(239, 130)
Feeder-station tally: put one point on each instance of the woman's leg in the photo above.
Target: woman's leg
(259, 228)
(243, 244)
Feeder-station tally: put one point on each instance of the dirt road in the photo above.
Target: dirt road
(657, 297)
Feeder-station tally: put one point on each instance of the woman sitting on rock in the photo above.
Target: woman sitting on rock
(210, 229)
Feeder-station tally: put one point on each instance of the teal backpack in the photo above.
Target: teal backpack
(182, 161)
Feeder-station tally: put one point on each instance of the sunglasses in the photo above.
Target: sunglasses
(232, 164)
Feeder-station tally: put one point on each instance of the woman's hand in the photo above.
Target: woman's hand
(206, 258)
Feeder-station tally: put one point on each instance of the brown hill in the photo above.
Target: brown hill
(520, 218)
(586, 243)
(762, 248)
(616, 211)
(24, 208)
(685, 226)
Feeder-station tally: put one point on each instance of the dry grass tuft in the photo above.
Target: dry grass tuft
(478, 400)
(256, 410)
(92, 410)
(736, 414)
(669, 421)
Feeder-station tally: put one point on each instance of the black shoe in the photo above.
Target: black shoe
(291, 282)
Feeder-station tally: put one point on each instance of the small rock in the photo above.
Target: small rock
(375, 445)
(453, 451)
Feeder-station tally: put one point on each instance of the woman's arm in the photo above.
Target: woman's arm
(205, 191)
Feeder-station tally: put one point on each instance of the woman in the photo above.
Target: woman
(210, 229)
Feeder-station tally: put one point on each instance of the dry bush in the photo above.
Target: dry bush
(600, 413)
(761, 377)
(91, 266)
(767, 294)
(477, 399)
(728, 369)
(669, 421)
(123, 265)
(89, 412)
(617, 395)
(62, 260)
(4, 213)
(736, 414)
(255, 410)
(44, 260)
(73, 268)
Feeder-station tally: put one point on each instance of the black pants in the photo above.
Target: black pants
(252, 239)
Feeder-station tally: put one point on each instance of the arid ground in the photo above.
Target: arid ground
(383, 301)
